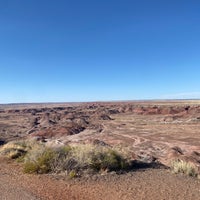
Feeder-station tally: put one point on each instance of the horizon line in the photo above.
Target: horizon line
(102, 101)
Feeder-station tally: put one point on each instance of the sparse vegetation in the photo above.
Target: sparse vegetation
(42, 164)
(72, 160)
(14, 150)
(108, 160)
(77, 160)
(180, 166)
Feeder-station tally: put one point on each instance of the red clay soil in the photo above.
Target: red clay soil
(150, 184)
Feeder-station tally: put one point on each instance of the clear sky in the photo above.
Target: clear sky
(92, 50)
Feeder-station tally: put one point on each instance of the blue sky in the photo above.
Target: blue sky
(93, 50)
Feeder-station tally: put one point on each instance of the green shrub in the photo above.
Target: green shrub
(64, 150)
(107, 160)
(72, 174)
(31, 168)
(42, 164)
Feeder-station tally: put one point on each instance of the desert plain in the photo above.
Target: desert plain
(152, 133)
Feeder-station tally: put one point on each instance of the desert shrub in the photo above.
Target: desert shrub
(69, 159)
(180, 166)
(62, 159)
(72, 160)
(31, 167)
(64, 150)
(82, 155)
(72, 174)
(42, 164)
(124, 150)
(97, 158)
(14, 150)
(107, 160)
(41, 159)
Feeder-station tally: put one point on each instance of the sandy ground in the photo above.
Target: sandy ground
(151, 184)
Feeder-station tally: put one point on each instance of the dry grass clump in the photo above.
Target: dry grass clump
(73, 160)
(107, 160)
(41, 164)
(125, 150)
(19, 149)
(42, 160)
(97, 158)
(180, 166)
(14, 150)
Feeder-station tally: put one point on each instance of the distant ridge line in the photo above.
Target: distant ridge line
(101, 101)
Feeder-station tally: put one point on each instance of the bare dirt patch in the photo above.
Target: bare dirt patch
(152, 184)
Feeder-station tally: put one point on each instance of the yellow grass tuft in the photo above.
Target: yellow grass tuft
(180, 166)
